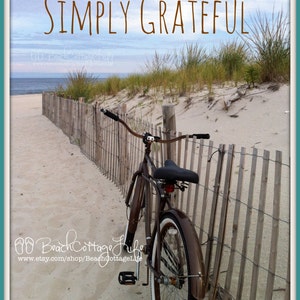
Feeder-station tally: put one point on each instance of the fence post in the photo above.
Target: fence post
(169, 123)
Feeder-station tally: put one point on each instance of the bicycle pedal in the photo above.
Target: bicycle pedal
(127, 278)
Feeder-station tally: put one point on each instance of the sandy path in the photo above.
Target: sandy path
(60, 202)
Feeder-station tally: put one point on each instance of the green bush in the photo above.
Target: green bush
(270, 42)
(79, 84)
(233, 57)
(252, 74)
(190, 57)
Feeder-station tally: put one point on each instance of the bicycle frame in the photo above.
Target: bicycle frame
(161, 200)
(140, 190)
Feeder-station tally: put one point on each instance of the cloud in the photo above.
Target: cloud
(31, 48)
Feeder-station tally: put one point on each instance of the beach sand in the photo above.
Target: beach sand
(260, 118)
(59, 199)
(63, 208)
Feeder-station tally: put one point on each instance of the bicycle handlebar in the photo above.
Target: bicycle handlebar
(110, 114)
(157, 139)
(200, 136)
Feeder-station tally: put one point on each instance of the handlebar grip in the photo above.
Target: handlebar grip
(110, 114)
(200, 135)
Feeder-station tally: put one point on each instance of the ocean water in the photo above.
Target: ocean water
(22, 86)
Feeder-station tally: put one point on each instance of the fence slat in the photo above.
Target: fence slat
(196, 199)
(179, 153)
(235, 225)
(222, 223)
(275, 226)
(260, 223)
(186, 147)
(287, 286)
(206, 189)
(247, 225)
(188, 201)
(208, 254)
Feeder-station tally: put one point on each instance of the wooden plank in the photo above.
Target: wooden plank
(101, 141)
(196, 199)
(161, 150)
(235, 225)
(105, 148)
(157, 146)
(186, 148)
(260, 224)
(211, 228)
(178, 161)
(247, 224)
(179, 148)
(108, 146)
(123, 148)
(43, 103)
(88, 134)
(287, 286)
(98, 137)
(94, 134)
(114, 150)
(222, 224)
(206, 189)
(275, 226)
(69, 120)
(188, 201)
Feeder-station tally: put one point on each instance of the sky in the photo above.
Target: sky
(50, 37)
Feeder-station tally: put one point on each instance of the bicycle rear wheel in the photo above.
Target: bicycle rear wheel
(134, 212)
(180, 264)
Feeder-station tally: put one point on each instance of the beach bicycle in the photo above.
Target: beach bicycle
(175, 267)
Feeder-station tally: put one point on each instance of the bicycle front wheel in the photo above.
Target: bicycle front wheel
(177, 260)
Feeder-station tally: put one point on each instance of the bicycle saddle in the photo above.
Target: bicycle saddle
(171, 172)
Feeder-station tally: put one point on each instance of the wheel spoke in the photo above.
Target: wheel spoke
(172, 258)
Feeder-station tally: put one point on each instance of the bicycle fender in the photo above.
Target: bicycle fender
(198, 284)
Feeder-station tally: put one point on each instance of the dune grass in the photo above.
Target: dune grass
(261, 56)
(270, 44)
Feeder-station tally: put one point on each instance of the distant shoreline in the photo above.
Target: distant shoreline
(36, 85)
(25, 95)
(31, 86)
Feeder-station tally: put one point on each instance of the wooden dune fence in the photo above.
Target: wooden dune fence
(240, 208)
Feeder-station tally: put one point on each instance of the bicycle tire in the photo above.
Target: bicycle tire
(181, 260)
(135, 205)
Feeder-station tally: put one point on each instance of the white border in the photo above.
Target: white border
(6, 128)
(7, 149)
(293, 170)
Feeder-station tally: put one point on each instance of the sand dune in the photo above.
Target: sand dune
(64, 210)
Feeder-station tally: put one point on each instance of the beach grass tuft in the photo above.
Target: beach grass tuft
(261, 56)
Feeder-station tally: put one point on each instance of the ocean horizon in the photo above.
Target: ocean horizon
(24, 86)
(38, 85)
